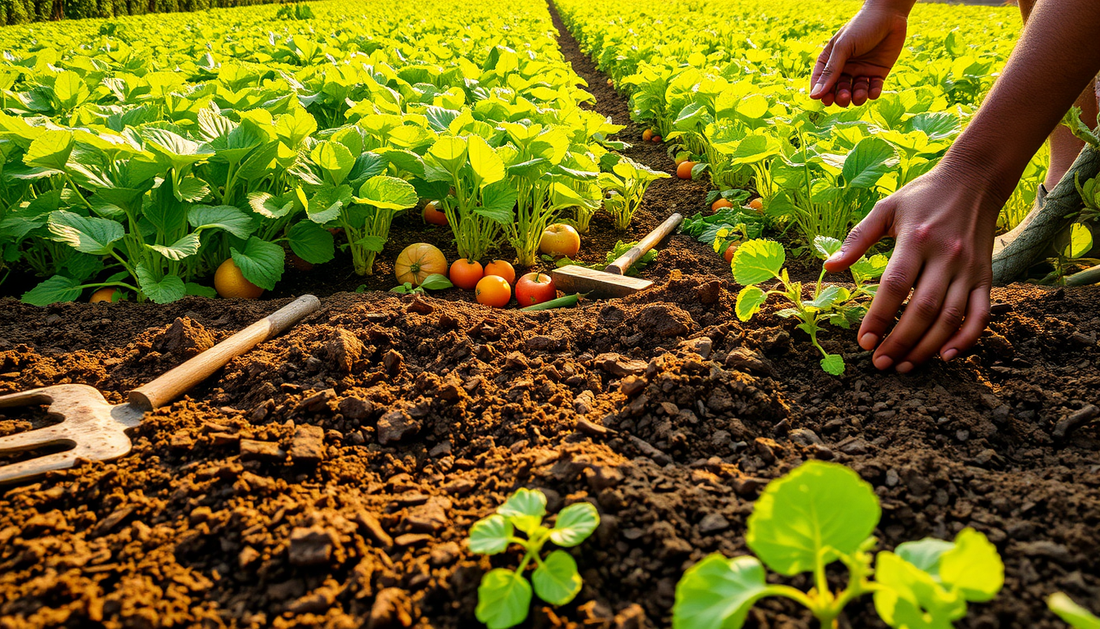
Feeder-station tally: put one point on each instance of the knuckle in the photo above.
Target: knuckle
(925, 308)
(894, 288)
(923, 234)
(954, 250)
(952, 316)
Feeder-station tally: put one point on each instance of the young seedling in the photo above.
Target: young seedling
(821, 513)
(1071, 612)
(435, 281)
(504, 596)
(1071, 246)
(758, 261)
(626, 182)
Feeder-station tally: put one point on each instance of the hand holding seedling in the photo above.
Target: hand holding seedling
(853, 66)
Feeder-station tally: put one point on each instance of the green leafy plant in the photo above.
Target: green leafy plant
(759, 261)
(626, 182)
(816, 515)
(1071, 246)
(1071, 612)
(435, 281)
(504, 596)
(367, 220)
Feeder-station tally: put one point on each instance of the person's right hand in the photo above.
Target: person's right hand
(854, 64)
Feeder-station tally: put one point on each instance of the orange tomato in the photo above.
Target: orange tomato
(417, 261)
(683, 171)
(230, 282)
(757, 204)
(730, 250)
(433, 215)
(647, 135)
(500, 268)
(494, 291)
(466, 273)
(104, 295)
(719, 204)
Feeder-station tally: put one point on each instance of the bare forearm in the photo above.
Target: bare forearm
(1054, 60)
(896, 6)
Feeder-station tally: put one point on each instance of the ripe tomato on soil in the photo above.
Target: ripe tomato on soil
(757, 204)
(417, 261)
(433, 215)
(466, 273)
(657, 139)
(494, 291)
(683, 171)
(500, 268)
(230, 282)
(105, 294)
(535, 288)
(647, 135)
(730, 250)
(719, 204)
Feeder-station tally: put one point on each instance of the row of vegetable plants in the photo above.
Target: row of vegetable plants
(145, 163)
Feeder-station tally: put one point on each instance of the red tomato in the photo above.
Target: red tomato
(730, 250)
(657, 139)
(465, 274)
(535, 288)
(493, 290)
(500, 268)
(434, 215)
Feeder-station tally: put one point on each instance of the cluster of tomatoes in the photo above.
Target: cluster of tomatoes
(492, 283)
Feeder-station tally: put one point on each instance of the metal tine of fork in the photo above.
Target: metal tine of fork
(36, 467)
(26, 398)
(35, 439)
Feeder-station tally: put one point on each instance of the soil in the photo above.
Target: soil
(329, 477)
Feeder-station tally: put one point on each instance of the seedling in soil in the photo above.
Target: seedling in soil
(824, 512)
(626, 182)
(504, 596)
(435, 281)
(758, 261)
(616, 252)
(1071, 612)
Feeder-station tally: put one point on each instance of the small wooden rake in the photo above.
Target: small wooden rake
(95, 430)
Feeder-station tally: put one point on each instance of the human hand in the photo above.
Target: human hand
(854, 64)
(943, 225)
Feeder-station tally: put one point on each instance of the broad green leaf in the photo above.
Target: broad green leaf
(1071, 612)
(924, 554)
(294, 127)
(371, 243)
(84, 233)
(55, 290)
(758, 261)
(749, 301)
(833, 364)
(868, 162)
(50, 150)
(325, 205)
(165, 290)
(973, 567)
(911, 599)
(816, 513)
(498, 201)
(269, 206)
(525, 509)
(334, 159)
(871, 268)
(503, 599)
(1080, 241)
(449, 152)
(717, 593)
(260, 262)
(436, 281)
(826, 246)
(192, 190)
(311, 242)
(486, 164)
(828, 297)
(226, 217)
(387, 193)
(491, 535)
(186, 246)
(557, 581)
(198, 290)
(575, 523)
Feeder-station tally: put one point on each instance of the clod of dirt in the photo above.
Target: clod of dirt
(307, 446)
(266, 451)
(343, 349)
(395, 426)
(184, 338)
(391, 609)
(664, 320)
(310, 546)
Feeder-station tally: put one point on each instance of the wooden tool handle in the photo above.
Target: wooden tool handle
(625, 261)
(178, 380)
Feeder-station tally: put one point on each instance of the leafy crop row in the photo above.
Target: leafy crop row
(140, 161)
(728, 80)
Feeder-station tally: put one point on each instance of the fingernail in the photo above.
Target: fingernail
(883, 362)
(949, 354)
(815, 89)
(905, 367)
(836, 256)
(868, 341)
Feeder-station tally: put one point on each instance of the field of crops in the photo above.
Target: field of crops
(424, 449)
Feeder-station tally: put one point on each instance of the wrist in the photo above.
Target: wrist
(992, 170)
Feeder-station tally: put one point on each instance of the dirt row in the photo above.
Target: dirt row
(329, 477)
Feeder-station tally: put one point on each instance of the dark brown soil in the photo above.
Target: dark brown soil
(661, 409)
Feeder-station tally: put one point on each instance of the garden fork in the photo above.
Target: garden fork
(94, 430)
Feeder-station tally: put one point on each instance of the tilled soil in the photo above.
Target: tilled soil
(329, 477)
